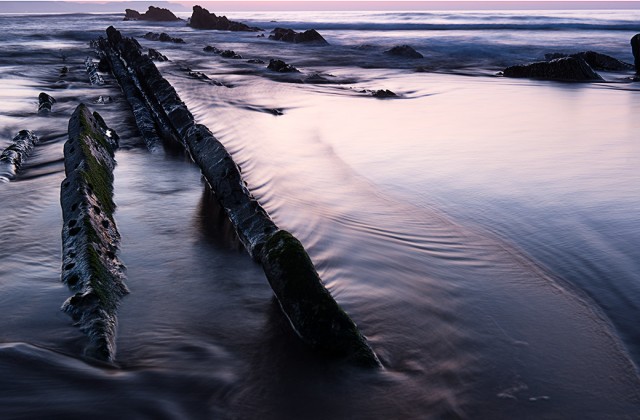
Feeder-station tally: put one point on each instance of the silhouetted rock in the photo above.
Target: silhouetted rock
(162, 37)
(202, 19)
(635, 49)
(155, 14)
(289, 35)
(45, 102)
(230, 54)
(13, 156)
(596, 60)
(156, 55)
(404, 51)
(566, 69)
(384, 93)
(103, 65)
(281, 66)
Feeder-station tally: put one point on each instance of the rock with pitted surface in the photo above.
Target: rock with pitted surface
(14, 156)
(90, 239)
(569, 69)
(154, 14)
(281, 67)
(162, 37)
(596, 60)
(405, 51)
(635, 49)
(289, 35)
(201, 18)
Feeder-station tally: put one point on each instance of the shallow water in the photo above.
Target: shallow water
(479, 230)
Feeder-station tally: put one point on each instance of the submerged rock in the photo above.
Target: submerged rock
(202, 19)
(212, 49)
(282, 67)
(230, 54)
(156, 55)
(45, 102)
(255, 61)
(310, 36)
(14, 156)
(90, 239)
(162, 37)
(596, 60)
(154, 14)
(570, 69)
(635, 49)
(404, 51)
(384, 93)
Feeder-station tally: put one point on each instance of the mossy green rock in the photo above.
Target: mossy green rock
(90, 238)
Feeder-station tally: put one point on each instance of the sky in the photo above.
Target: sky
(254, 5)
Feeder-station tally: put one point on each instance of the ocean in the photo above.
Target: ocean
(483, 232)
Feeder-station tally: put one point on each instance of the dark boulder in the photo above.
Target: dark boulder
(230, 54)
(45, 102)
(14, 156)
(212, 49)
(282, 67)
(202, 19)
(156, 55)
(103, 65)
(596, 60)
(162, 37)
(289, 35)
(405, 51)
(154, 14)
(384, 93)
(635, 49)
(570, 69)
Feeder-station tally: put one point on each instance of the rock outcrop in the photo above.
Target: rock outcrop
(13, 156)
(202, 19)
(230, 54)
(45, 102)
(90, 239)
(570, 69)
(595, 60)
(405, 51)
(154, 14)
(310, 36)
(635, 49)
(314, 315)
(384, 93)
(162, 37)
(281, 67)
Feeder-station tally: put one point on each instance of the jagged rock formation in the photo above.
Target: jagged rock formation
(405, 51)
(570, 69)
(94, 77)
(90, 238)
(162, 37)
(13, 156)
(384, 93)
(313, 313)
(635, 49)
(156, 55)
(154, 14)
(596, 60)
(45, 102)
(201, 18)
(281, 67)
(310, 36)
